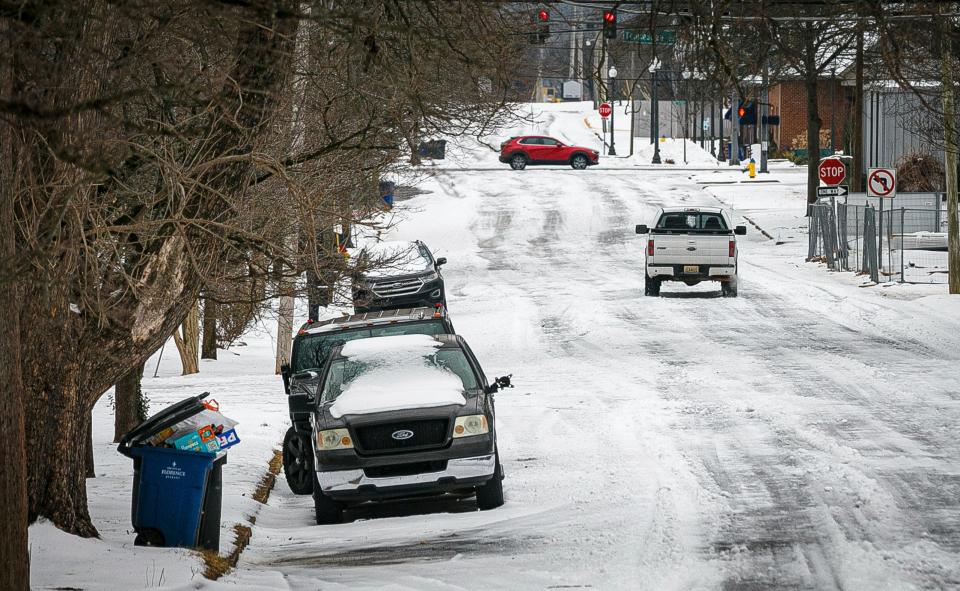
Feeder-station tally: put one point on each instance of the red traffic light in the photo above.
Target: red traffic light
(741, 111)
(543, 15)
(609, 16)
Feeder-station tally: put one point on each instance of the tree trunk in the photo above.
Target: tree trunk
(57, 478)
(188, 342)
(15, 573)
(128, 402)
(285, 322)
(286, 282)
(950, 158)
(210, 312)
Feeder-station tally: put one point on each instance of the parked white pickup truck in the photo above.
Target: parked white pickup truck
(692, 244)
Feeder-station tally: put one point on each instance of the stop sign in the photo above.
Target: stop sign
(832, 171)
(605, 110)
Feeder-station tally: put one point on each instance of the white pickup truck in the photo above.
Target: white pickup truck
(691, 244)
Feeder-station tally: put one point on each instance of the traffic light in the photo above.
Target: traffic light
(610, 24)
(747, 113)
(541, 28)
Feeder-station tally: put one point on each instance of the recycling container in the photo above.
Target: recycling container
(177, 494)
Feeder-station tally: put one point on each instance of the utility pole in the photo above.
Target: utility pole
(713, 127)
(764, 114)
(833, 110)
(734, 127)
(612, 75)
(950, 156)
(856, 165)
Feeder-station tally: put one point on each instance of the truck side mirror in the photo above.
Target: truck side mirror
(301, 402)
(642, 229)
(740, 230)
(285, 374)
(441, 261)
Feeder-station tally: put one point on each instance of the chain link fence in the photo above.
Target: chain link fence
(913, 248)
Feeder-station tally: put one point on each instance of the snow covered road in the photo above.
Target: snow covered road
(801, 436)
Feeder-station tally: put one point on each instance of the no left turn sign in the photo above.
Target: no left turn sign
(882, 182)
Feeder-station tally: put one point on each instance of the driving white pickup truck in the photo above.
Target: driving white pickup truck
(691, 244)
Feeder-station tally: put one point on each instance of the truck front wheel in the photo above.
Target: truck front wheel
(490, 494)
(326, 509)
(651, 286)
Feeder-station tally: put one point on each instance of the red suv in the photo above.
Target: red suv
(537, 149)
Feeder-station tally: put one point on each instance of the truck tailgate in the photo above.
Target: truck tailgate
(691, 249)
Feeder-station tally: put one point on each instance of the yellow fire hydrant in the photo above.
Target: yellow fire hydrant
(752, 168)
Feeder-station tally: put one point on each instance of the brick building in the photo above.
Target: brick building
(788, 99)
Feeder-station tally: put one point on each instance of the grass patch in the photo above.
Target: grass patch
(262, 492)
(217, 565)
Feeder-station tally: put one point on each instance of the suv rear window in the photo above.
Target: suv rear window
(691, 221)
(312, 352)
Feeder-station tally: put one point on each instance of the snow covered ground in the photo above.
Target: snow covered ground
(801, 436)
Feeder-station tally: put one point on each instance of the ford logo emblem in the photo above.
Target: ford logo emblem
(402, 434)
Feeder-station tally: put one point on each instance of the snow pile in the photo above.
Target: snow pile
(672, 149)
(391, 258)
(398, 376)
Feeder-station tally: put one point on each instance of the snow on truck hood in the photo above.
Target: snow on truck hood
(398, 378)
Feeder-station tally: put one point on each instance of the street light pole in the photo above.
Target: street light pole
(686, 111)
(612, 73)
(655, 113)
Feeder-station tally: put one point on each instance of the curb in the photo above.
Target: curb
(217, 565)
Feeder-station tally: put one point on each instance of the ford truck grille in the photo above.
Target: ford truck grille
(389, 289)
(402, 436)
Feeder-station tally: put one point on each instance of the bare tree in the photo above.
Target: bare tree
(144, 161)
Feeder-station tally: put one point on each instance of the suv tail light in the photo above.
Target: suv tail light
(650, 247)
(733, 248)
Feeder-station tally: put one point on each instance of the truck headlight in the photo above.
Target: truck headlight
(334, 439)
(431, 276)
(470, 425)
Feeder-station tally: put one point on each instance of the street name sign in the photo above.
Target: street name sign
(645, 38)
(882, 182)
(832, 171)
(837, 191)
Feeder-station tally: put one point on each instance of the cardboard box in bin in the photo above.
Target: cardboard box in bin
(203, 439)
(228, 439)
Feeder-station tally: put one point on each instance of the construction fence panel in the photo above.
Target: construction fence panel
(915, 250)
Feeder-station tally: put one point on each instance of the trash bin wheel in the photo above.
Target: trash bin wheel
(298, 462)
(149, 537)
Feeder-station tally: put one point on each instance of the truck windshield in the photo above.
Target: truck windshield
(687, 221)
(344, 371)
(311, 352)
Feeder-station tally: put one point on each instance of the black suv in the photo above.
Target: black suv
(398, 275)
(311, 348)
(402, 416)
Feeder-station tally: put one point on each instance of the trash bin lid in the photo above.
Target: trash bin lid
(165, 418)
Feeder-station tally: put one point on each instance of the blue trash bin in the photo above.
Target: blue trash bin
(176, 494)
(176, 497)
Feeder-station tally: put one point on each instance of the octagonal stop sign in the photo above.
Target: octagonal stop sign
(605, 110)
(832, 171)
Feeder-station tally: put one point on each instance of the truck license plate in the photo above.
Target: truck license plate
(691, 268)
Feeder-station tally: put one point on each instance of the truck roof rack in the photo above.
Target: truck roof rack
(376, 318)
